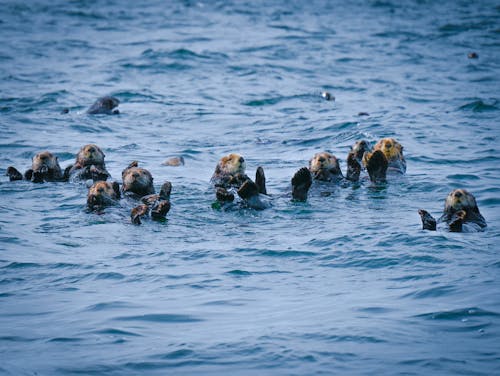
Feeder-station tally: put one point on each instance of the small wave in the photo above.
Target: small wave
(458, 314)
(239, 273)
(431, 293)
(160, 318)
(116, 332)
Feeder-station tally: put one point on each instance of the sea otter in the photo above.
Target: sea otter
(386, 157)
(230, 176)
(155, 205)
(325, 167)
(44, 167)
(104, 105)
(102, 194)
(137, 181)
(461, 213)
(89, 164)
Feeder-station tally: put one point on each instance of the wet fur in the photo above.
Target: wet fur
(102, 194)
(89, 164)
(460, 209)
(137, 180)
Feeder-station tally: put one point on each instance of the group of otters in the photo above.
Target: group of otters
(229, 180)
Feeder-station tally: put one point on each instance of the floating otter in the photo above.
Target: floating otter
(460, 213)
(102, 194)
(325, 167)
(89, 164)
(104, 105)
(174, 161)
(156, 205)
(387, 156)
(137, 181)
(44, 167)
(229, 176)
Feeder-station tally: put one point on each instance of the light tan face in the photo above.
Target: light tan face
(323, 161)
(44, 159)
(102, 193)
(460, 199)
(391, 148)
(90, 154)
(232, 164)
(136, 177)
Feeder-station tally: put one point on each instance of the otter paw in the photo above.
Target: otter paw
(457, 220)
(160, 210)
(137, 213)
(223, 195)
(301, 182)
(428, 221)
(13, 174)
(377, 166)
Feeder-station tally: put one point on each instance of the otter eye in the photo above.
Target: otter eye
(91, 150)
(458, 194)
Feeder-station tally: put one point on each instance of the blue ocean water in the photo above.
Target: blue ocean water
(344, 284)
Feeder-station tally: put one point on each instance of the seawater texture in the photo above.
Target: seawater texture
(344, 284)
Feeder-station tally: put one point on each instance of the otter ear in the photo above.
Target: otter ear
(116, 188)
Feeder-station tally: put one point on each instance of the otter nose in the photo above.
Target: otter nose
(388, 145)
(91, 150)
(241, 160)
(458, 194)
(321, 159)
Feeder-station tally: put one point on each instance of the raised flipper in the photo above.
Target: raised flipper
(428, 221)
(353, 167)
(301, 182)
(165, 191)
(377, 166)
(457, 220)
(260, 180)
(13, 174)
(248, 189)
(160, 210)
(249, 192)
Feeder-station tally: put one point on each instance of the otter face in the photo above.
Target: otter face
(137, 180)
(102, 194)
(460, 199)
(323, 165)
(392, 149)
(90, 155)
(360, 148)
(44, 160)
(231, 164)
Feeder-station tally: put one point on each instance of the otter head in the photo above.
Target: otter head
(109, 103)
(90, 154)
(137, 180)
(392, 149)
(102, 194)
(231, 164)
(325, 166)
(460, 199)
(44, 161)
(359, 149)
